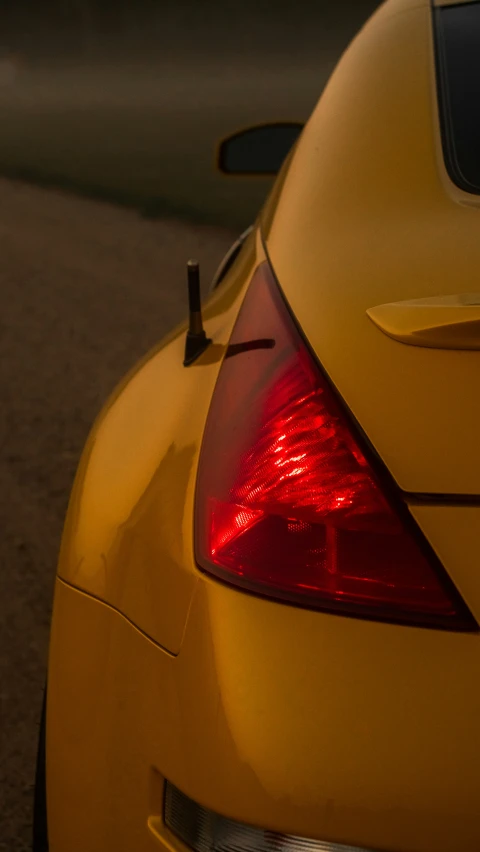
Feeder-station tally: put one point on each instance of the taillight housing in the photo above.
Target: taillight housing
(288, 504)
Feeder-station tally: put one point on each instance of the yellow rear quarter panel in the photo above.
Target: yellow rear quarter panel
(296, 721)
(128, 533)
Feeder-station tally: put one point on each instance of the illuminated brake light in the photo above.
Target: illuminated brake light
(287, 503)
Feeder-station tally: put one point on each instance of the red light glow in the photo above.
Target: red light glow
(287, 503)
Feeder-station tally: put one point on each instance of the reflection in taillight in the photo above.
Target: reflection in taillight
(287, 503)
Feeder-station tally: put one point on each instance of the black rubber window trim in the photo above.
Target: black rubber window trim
(444, 104)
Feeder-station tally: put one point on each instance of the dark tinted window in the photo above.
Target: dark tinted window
(457, 36)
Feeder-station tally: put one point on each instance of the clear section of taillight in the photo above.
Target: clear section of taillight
(206, 831)
(288, 504)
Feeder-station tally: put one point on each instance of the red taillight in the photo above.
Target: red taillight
(287, 503)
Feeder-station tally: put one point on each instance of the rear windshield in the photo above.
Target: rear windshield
(457, 40)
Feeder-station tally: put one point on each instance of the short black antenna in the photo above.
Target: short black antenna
(197, 341)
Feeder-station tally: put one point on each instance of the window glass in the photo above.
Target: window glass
(457, 37)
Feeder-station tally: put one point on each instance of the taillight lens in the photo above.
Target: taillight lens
(287, 504)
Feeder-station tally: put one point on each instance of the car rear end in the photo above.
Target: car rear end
(317, 687)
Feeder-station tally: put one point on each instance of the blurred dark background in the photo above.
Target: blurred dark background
(126, 99)
(174, 28)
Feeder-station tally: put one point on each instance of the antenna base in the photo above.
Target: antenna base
(195, 344)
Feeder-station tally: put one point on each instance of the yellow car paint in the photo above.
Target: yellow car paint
(382, 223)
(311, 724)
(335, 728)
(439, 322)
(132, 499)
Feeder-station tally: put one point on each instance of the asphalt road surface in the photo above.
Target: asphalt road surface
(86, 289)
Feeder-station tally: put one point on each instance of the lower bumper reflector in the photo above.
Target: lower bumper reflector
(205, 831)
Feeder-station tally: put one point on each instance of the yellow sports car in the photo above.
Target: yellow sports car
(266, 622)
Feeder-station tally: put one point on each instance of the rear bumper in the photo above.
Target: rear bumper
(298, 722)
